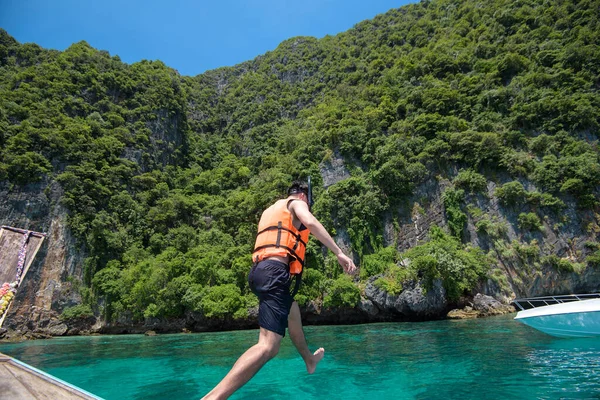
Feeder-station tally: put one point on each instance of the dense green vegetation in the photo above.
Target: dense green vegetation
(165, 176)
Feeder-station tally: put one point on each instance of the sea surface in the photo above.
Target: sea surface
(492, 358)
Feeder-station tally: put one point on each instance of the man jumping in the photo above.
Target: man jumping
(278, 256)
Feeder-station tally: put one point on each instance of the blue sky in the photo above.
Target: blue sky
(190, 36)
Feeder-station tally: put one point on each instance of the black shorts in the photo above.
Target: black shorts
(270, 280)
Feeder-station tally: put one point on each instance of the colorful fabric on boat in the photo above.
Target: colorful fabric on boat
(22, 256)
(7, 292)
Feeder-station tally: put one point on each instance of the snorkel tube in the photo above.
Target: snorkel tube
(310, 196)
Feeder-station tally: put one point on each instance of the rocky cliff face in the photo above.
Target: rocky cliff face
(563, 235)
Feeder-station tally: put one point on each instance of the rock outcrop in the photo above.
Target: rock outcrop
(482, 306)
(414, 302)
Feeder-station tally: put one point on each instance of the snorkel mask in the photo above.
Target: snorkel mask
(310, 196)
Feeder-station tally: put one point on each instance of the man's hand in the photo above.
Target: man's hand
(346, 263)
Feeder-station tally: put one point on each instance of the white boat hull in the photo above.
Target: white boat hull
(572, 319)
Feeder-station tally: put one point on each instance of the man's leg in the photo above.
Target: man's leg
(297, 335)
(247, 365)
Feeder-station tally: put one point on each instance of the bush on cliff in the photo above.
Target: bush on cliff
(394, 278)
(562, 264)
(594, 259)
(457, 219)
(379, 262)
(511, 193)
(76, 312)
(470, 180)
(444, 257)
(342, 293)
(530, 222)
(222, 302)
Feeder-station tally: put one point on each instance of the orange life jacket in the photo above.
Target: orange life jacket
(277, 236)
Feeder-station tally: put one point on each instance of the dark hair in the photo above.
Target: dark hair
(298, 187)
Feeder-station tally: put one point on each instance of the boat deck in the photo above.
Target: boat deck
(19, 381)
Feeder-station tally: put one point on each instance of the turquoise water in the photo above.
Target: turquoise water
(493, 358)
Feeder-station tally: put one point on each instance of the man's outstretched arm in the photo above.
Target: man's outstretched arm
(300, 209)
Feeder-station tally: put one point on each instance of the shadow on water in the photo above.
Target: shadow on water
(491, 358)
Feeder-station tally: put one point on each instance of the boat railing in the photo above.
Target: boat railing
(533, 302)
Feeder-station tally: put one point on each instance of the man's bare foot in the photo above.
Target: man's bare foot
(317, 356)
